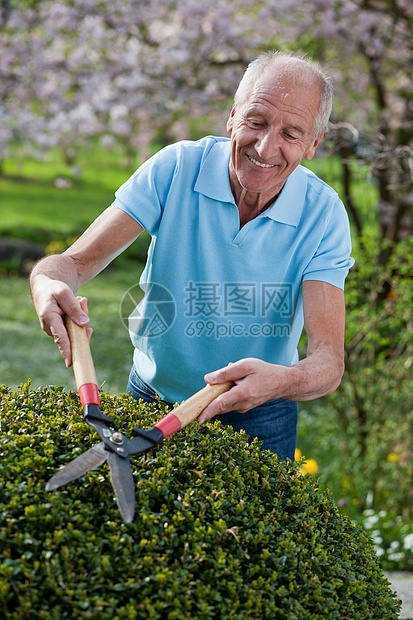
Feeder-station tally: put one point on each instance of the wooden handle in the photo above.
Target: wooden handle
(190, 409)
(83, 367)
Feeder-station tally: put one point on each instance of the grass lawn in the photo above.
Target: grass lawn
(27, 352)
(32, 199)
(34, 206)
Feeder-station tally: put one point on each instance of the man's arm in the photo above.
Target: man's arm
(317, 375)
(55, 279)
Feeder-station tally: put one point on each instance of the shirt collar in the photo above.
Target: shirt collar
(213, 177)
(288, 207)
(213, 181)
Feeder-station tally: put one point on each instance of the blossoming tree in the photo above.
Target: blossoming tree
(134, 71)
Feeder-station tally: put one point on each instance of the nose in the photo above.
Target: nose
(267, 144)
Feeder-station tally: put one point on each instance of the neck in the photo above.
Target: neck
(251, 204)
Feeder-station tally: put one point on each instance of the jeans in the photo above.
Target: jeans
(274, 423)
(142, 391)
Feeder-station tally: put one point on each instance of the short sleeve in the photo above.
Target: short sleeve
(144, 194)
(332, 260)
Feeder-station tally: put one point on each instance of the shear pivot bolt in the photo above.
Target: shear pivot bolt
(117, 438)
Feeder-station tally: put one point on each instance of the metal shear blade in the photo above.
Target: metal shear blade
(120, 475)
(79, 466)
(114, 448)
(123, 486)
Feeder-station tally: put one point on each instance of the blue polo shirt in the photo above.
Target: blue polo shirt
(215, 294)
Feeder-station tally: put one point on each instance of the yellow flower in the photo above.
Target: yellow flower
(55, 247)
(310, 467)
(392, 457)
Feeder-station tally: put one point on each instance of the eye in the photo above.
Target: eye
(290, 136)
(254, 123)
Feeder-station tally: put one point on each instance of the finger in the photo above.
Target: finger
(63, 303)
(61, 338)
(222, 404)
(76, 309)
(229, 373)
(83, 305)
(89, 332)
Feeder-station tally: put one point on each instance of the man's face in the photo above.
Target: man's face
(271, 132)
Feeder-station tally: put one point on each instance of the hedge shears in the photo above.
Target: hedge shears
(114, 447)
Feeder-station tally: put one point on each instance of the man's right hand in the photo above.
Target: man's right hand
(52, 300)
(55, 278)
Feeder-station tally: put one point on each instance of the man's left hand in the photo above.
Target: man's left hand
(255, 381)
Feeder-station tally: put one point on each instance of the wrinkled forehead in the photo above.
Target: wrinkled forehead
(284, 76)
(283, 91)
(286, 80)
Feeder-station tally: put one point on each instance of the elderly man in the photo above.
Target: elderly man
(247, 247)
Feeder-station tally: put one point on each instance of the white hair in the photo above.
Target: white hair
(304, 71)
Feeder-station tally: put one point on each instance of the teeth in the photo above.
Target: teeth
(258, 163)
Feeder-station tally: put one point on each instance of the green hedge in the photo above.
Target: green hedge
(222, 529)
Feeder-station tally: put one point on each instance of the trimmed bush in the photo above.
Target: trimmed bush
(222, 530)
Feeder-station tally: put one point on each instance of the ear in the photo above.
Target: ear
(230, 121)
(312, 149)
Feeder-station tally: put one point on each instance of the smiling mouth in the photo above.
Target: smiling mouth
(258, 163)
